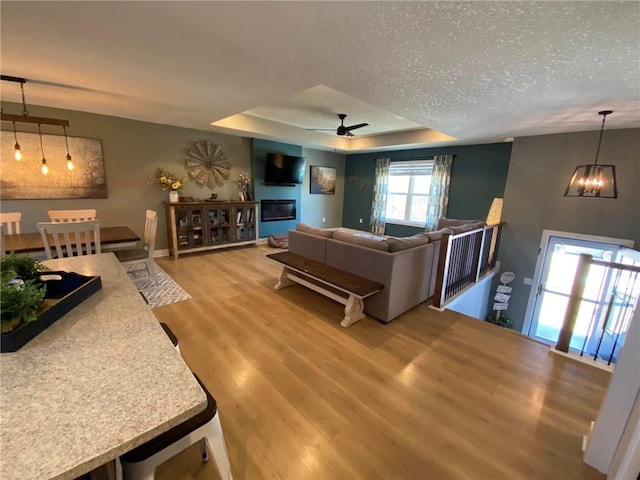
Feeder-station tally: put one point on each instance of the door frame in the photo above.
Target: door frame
(542, 250)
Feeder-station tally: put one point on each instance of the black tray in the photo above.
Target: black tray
(68, 292)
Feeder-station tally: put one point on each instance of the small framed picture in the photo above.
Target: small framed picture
(323, 180)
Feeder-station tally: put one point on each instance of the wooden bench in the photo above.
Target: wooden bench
(343, 287)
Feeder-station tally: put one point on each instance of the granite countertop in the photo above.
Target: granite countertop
(100, 381)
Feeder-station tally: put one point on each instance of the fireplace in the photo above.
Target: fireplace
(277, 210)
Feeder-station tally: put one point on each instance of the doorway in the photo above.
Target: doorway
(551, 288)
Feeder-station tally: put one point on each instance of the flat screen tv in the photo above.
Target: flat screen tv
(284, 169)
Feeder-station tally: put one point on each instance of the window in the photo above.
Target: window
(408, 192)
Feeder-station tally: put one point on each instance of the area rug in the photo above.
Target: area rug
(164, 293)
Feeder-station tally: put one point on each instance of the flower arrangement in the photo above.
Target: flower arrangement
(244, 181)
(244, 186)
(168, 181)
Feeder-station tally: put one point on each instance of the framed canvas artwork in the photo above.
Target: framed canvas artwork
(323, 180)
(23, 179)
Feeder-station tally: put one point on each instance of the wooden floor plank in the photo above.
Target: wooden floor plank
(429, 395)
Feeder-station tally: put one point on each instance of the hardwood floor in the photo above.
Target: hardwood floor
(428, 396)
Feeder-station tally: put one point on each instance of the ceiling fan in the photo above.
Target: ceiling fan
(342, 130)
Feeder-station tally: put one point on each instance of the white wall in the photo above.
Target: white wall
(618, 403)
(474, 302)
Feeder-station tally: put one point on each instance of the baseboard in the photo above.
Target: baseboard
(601, 364)
(161, 253)
(587, 437)
(263, 241)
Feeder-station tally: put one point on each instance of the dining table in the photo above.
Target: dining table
(111, 238)
(100, 381)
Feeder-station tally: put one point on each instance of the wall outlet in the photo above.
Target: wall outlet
(360, 220)
(324, 219)
(528, 281)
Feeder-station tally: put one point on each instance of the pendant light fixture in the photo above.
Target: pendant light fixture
(17, 153)
(66, 141)
(25, 118)
(44, 169)
(593, 180)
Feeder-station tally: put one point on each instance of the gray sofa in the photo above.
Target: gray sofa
(408, 275)
(407, 267)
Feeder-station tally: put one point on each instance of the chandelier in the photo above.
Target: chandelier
(593, 180)
(26, 118)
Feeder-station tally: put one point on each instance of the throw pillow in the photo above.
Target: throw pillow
(453, 222)
(437, 234)
(403, 243)
(320, 232)
(462, 228)
(363, 239)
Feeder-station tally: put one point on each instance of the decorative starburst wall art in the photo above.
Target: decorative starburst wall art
(208, 164)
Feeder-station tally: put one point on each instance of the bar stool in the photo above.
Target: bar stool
(141, 462)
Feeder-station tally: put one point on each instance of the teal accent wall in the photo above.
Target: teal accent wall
(259, 150)
(478, 175)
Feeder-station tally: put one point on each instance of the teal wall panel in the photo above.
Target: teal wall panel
(478, 174)
(259, 150)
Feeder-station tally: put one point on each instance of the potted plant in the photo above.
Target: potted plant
(33, 298)
(20, 291)
(501, 320)
(168, 181)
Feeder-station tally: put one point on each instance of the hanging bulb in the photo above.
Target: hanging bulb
(44, 169)
(18, 153)
(66, 141)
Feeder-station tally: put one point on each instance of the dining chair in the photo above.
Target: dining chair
(143, 253)
(10, 222)
(72, 215)
(71, 238)
(205, 429)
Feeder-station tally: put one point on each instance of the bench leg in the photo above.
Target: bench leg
(353, 311)
(284, 280)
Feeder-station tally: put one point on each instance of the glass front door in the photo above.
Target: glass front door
(554, 288)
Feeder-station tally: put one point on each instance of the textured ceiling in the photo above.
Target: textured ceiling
(420, 73)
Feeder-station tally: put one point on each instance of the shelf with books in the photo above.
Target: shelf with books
(198, 226)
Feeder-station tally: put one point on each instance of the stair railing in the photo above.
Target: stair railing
(464, 259)
(617, 295)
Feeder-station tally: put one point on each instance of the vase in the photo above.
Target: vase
(174, 196)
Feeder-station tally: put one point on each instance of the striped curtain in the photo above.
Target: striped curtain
(439, 191)
(379, 204)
